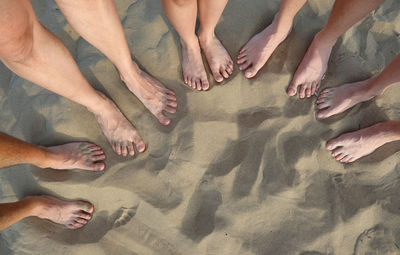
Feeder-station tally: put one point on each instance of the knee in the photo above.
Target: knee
(16, 41)
(182, 2)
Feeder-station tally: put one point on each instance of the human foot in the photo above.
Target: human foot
(312, 68)
(193, 70)
(332, 101)
(219, 61)
(79, 155)
(253, 56)
(119, 131)
(151, 93)
(349, 147)
(73, 214)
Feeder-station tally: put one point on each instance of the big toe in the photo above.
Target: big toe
(332, 144)
(85, 206)
(324, 113)
(99, 166)
(251, 72)
(140, 146)
(163, 119)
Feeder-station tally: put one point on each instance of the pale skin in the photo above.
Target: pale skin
(98, 22)
(32, 52)
(312, 68)
(352, 146)
(182, 14)
(253, 56)
(77, 155)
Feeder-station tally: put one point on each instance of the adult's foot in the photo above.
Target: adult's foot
(78, 155)
(73, 214)
(333, 101)
(151, 93)
(194, 74)
(219, 61)
(312, 68)
(351, 146)
(119, 131)
(253, 56)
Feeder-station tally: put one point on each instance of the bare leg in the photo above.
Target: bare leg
(73, 214)
(182, 14)
(345, 13)
(97, 21)
(79, 155)
(253, 56)
(218, 58)
(352, 146)
(332, 101)
(35, 54)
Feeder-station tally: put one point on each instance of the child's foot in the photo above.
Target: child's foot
(218, 58)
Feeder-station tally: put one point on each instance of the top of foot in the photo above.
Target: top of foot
(333, 101)
(152, 94)
(194, 74)
(73, 215)
(78, 155)
(311, 69)
(219, 61)
(119, 131)
(253, 56)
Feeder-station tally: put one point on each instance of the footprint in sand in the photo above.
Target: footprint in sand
(199, 220)
(123, 216)
(377, 240)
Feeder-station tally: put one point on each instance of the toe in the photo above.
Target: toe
(81, 221)
(198, 84)
(241, 60)
(308, 92)
(169, 109)
(99, 166)
(172, 103)
(95, 158)
(131, 149)
(292, 89)
(325, 112)
(85, 206)
(98, 152)
(224, 73)
(217, 76)
(204, 83)
(76, 225)
(323, 105)
(118, 148)
(124, 150)
(302, 92)
(337, 151)
(313, 88)
(84, 215)
(229, 69)
(332, 144)
(251, 72)
(244, 66)
(163, 119)
(170, 97)
(345, 159)
(340, 156)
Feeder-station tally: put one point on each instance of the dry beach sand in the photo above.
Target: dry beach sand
(242, 169)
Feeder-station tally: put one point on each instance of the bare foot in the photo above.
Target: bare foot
(79, 155)
(332, 101)
(73, 214)
(152, 94)
(312, 68)
(119, 131)
(193, 70)
(253, 56)
(349, 147)
(218, 58)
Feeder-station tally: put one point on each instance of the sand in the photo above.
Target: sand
(242, 169)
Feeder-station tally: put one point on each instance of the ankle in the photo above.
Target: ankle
(281, 26)
(33, 205)
(325, 38)
(190, 43)
(205, 37)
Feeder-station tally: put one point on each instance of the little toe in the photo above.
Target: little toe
(163, 119)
